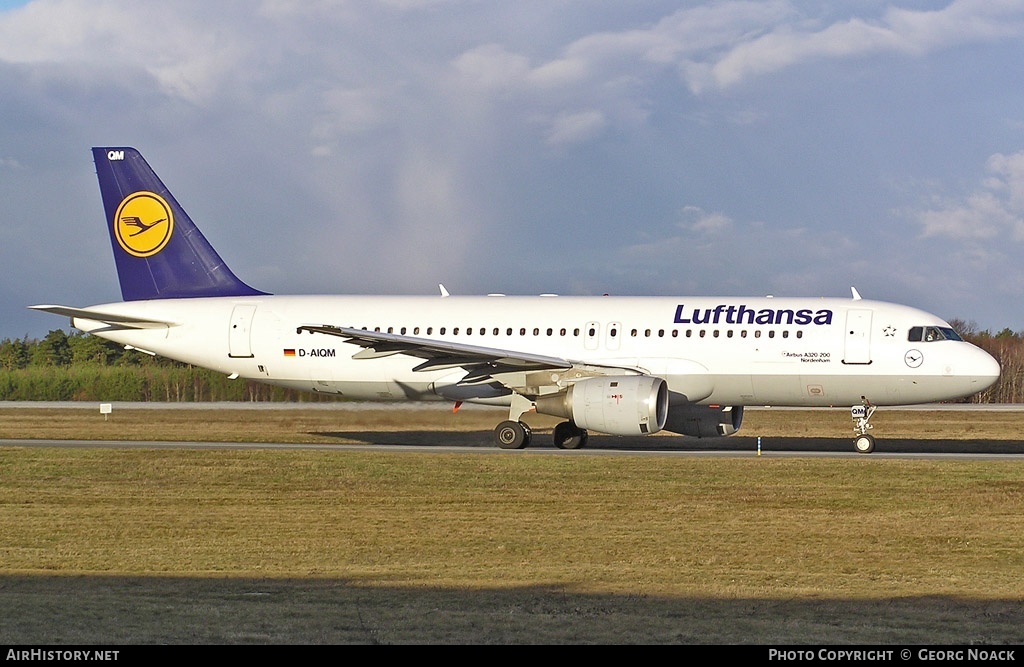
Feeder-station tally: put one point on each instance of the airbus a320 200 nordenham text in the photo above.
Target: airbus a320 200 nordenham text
(615, 365)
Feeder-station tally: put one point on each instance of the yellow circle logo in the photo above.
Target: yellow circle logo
(143, 224)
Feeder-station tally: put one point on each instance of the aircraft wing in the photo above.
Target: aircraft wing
(114, 321)
(482, 362)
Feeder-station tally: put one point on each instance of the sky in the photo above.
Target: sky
(647, 147)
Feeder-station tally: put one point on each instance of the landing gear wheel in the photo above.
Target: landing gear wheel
(570, 436)
(512, 435)
(864, 444)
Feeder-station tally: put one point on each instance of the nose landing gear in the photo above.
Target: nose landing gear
(863, 442)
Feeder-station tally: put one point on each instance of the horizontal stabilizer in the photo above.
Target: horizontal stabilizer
(121, 321)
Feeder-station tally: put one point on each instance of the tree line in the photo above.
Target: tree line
(80, 367)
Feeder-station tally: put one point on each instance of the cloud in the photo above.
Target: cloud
(724, 44)
(910, 32)
(576, 127)
(697, 220)
(714, 47)
(994, 210)
(181, 50)
(492, 67)
(10, 164)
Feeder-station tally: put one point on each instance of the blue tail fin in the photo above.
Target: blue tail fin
(159, 252)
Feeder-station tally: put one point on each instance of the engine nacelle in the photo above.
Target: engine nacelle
(616, 405)
(704, 421)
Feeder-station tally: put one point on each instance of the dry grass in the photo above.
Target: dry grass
(150, 546)
(334, 426)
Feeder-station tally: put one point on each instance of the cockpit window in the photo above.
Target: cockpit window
(929, 334)
(949, 334)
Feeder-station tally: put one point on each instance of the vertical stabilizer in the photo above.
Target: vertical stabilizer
(159, 252)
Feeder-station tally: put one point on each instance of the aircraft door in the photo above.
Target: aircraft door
(858, 337)
(239, 342)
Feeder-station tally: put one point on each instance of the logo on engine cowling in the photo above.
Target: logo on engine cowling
(143, 224)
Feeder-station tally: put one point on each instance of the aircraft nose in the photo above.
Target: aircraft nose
(985, 369)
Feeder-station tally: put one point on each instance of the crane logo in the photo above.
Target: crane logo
(143, 224)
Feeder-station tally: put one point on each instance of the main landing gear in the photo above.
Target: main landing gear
(863, 442)
(515, 434)
(511, 434)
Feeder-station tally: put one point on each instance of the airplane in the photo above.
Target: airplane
(618, 365)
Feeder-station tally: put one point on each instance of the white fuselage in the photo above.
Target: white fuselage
(710, 350)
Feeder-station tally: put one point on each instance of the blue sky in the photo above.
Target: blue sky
(670, 148)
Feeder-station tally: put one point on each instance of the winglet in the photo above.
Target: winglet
(856, 294)
(444, 292)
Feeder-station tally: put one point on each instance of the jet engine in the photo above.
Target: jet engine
(616, 405)
(704, 421)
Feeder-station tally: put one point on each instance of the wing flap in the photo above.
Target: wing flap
(439, 355)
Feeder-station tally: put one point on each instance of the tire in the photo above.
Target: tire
(864, 444)
(511, 435)
(569, 436)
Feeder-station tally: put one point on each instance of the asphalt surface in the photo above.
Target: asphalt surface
(601, 446)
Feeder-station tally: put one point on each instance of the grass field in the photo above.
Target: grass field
(195, 546)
